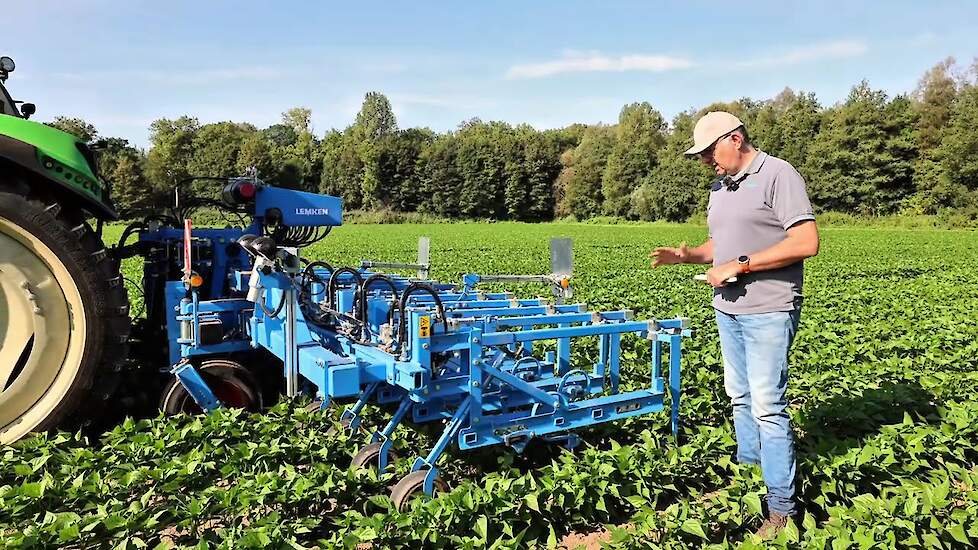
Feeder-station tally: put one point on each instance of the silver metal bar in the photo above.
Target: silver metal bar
(291, 351)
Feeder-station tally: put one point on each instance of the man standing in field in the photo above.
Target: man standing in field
(761, 228)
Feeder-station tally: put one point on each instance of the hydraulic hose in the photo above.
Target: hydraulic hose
(411, 289)
(334, 280)
(278, 309)
(366, 287)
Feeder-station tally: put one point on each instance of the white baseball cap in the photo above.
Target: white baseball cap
(711, 127)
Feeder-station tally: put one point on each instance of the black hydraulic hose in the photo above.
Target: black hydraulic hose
(265, 310)
(309, 271)
(128, 231)
(334, 280)
(305, 290)
(412, 288)
(366, 287)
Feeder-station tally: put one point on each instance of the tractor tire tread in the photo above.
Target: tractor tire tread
(83, 253)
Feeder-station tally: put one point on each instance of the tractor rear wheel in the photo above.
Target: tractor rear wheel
(64, 314)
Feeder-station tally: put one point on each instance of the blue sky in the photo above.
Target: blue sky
(122, 64)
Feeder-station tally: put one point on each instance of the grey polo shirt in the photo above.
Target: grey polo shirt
(749, 214)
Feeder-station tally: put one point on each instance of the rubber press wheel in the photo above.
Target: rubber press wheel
(367, 457)
(412, 485)
(64, 314)
(231, 383)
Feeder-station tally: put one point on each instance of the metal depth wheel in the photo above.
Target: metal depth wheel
(368, 457)
(412, 485)
(231, 382)
(64, 315)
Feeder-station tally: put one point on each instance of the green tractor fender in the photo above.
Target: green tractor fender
(58, 157)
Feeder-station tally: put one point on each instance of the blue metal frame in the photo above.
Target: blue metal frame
(476, 368)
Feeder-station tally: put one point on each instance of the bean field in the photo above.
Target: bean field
(884, 374)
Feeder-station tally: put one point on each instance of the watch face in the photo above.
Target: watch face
(743, 259)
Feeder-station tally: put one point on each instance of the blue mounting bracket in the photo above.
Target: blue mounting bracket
(196, 387)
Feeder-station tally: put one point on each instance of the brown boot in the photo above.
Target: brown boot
(774, 524)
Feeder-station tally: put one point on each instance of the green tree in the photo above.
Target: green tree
(862, 159)
(342, 168)
(541, 160)
(786, 125)
(171, 151)
(280, 135)
(298, 160)
(485, 151)
(216, 148)
(638, 137)
(678, 186)
(256, 153)
(401, 167)
(130, 190)
(79, 128)
(958, 151)
(579, 182)
(442, 182)
(933, 99)
(375, 120)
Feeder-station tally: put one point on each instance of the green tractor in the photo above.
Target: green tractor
(64, 310)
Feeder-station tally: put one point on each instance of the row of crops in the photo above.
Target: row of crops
(885, 373)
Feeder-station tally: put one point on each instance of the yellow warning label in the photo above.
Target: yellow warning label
(424, 327)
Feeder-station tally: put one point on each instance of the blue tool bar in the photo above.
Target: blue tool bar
(556, 318)
(579, 414)
(474, 304)
(525, 310)
(500, 338)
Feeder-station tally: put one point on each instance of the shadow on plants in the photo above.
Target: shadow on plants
(841, 422)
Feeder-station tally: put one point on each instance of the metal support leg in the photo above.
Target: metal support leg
(563, 353)
(675, 359)
(196, 387)
(384, 436)
(614, 360)
(291, 350)
(353, 414)
(451, 430)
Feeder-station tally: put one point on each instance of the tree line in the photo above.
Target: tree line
(870, 154)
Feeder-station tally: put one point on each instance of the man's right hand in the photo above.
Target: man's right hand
(668, 256)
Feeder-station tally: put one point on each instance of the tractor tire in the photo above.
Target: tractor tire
(64, 314)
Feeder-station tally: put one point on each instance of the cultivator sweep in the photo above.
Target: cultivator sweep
(491, 369)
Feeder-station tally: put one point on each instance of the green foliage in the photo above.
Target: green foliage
(676, 188)
(171, 150)
(959, 146)
(583, 169)
(77, 127)
(862, 160)
(934, 96)
(870, 155)
(883, 378)
(639, 135)
(216, 149)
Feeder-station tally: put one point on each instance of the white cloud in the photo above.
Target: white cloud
(839, 49)
(578, 62)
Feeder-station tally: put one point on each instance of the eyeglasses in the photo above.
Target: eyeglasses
(707, 153)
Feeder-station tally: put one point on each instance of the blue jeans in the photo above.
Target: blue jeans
(755, 374)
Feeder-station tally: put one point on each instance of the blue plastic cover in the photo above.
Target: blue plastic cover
(298, 208)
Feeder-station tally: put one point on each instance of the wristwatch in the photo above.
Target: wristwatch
(744, 262)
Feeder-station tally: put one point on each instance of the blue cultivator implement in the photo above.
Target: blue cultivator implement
(440, 352)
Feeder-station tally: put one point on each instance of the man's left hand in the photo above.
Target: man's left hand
(717, 276)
